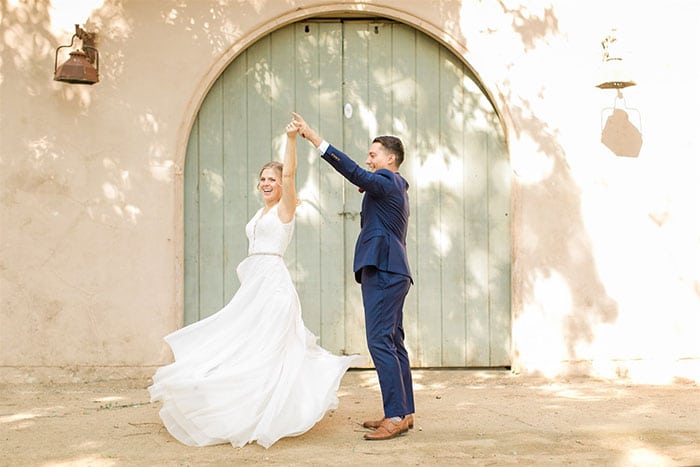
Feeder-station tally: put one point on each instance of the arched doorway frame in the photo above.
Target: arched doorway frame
(202, 89)
(246, 40)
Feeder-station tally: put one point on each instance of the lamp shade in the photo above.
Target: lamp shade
(77, 70)
(614, 75)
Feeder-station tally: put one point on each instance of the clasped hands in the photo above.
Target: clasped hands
(298, 125)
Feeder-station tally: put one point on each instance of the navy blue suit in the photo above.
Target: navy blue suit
(381, 267)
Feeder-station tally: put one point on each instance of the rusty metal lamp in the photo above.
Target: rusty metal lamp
(83, 66)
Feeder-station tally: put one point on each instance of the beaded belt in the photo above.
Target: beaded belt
(262, 253)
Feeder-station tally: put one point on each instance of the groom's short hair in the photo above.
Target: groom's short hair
(393, 145)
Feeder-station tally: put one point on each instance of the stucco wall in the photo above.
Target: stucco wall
(605, 248)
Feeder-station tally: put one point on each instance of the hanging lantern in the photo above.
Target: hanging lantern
(613, 72)
(83, 66)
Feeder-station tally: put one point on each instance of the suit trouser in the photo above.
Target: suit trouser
(383, 295)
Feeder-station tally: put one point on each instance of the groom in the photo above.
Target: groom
(381, 267)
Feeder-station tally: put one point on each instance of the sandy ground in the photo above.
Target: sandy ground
(463, 417)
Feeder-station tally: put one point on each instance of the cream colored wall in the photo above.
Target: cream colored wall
(605, 248)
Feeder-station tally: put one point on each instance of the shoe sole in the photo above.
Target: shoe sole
(373, 426)
(387, 438)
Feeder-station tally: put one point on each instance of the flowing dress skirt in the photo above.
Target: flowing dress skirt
(250, 372)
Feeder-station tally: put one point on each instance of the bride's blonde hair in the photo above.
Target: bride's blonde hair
(274, 165)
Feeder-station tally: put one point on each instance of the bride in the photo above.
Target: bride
(252, 372)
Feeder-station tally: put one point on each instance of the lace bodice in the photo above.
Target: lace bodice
(267, 234)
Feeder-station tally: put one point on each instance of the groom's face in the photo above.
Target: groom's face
(379, 158)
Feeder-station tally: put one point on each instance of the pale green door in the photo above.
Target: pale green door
(353, 80)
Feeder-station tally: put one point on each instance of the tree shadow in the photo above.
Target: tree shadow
(70, 193)
(554, 239)
(529, 26)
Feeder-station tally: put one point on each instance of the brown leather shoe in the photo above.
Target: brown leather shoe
(387, 430)
(374, 424)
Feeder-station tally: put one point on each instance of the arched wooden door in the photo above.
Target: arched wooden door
(353, 80)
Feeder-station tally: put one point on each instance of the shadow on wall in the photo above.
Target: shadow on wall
(71, 193)
(56, 154)
(554, 246)
(556, 242)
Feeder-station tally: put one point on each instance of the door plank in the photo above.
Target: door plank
(379, 79)
(452, 206)
(356, 136)
(237, 173)
(191, 221)
(499, 249)
(427, 210)
(258, 83)
(329, 200)
(211, 186)
(476, 242)
(403, 111)
(305, 262)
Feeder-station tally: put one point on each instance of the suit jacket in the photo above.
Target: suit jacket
(384, 216)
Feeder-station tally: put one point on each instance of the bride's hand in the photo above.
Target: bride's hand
(291, 129)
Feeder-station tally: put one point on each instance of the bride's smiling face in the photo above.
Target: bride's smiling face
(270, 185)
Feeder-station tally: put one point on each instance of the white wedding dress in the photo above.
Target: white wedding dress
(252, 371)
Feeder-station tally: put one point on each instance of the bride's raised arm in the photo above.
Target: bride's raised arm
(288, 203)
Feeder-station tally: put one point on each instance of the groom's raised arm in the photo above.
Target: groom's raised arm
(305, 130)
(347, 167)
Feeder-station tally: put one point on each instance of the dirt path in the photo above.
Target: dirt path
(463, 417)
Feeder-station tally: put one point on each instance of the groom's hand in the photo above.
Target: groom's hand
(305, 130)
(302, 126)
